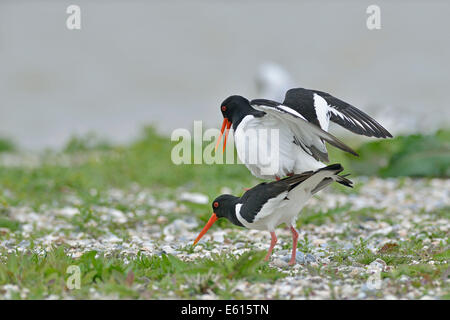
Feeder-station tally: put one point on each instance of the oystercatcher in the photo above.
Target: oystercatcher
(268, 205)
(301, 122)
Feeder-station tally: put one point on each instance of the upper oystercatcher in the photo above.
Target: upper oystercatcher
(268, 205)
(302, 123)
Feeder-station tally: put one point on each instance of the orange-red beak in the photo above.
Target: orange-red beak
(208, 225)
(226, 124)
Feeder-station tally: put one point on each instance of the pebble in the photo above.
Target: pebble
(180, 226)
(161, 220)
(377, 265)
(166, 205)
(169, 250)
(299, 258)
(68, 212)
(402, 213)
(404, 278)
(194, 197)
(319, 242)
(362, 295)
(280, 263)
(117, 216)
(239, 245)
(310, 258)
(112, 238)
(24, 244)
(218, 236)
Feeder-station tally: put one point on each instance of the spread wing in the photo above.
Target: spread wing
(308, 135)
(320, 107)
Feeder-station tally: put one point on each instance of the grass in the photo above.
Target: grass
(9, 224)
(319, 217)
(6, 145)
(145, 162)
(88, 169)
(417, 155)
(142, 277)
(96, 165)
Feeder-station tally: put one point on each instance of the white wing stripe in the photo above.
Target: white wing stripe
(309, 133)
(291, 111)
(322, 108)
(344, 117)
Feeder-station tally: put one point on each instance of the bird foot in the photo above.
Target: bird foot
(292, 262)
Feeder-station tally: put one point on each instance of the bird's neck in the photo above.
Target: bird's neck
(240, 114)
(231, 213)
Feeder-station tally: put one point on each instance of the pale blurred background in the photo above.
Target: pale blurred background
(170, 63)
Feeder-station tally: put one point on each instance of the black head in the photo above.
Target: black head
(223, 207)
(235, 108)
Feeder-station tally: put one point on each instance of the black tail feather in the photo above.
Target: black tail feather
(336, 168)
(344, 181)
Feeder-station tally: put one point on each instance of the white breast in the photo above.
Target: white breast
(284, 208)
(276, 211)
(270, 216)
(265, 145)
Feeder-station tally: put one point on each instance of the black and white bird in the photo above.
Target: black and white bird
(301, 124)
(268, 205)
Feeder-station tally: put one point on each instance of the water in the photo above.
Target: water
(140, 62)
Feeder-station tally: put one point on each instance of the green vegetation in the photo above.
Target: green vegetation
(95, 164)
(87, 171)
(89, 142)
(320, 217)
(6, 145)
(9, 224)
(415, 155)
(145, 162)
(146, 277)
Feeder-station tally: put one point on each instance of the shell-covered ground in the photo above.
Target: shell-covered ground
(95, 221)
(387, 239)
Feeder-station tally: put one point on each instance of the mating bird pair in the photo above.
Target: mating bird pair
(302, 121)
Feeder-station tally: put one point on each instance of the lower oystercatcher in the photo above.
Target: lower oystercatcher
(268, 205)
(301, 124)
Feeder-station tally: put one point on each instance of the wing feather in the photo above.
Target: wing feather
(267, 198)
(352, 118)
(320, 107)
(309, 134)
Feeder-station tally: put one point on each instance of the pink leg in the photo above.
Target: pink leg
(272, 244)
(294, 245)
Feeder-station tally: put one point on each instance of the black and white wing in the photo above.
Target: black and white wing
(321, 107)
(267, 198)
(307, 134)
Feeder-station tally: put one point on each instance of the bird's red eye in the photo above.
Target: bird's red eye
(216, 204)
(224, 108)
